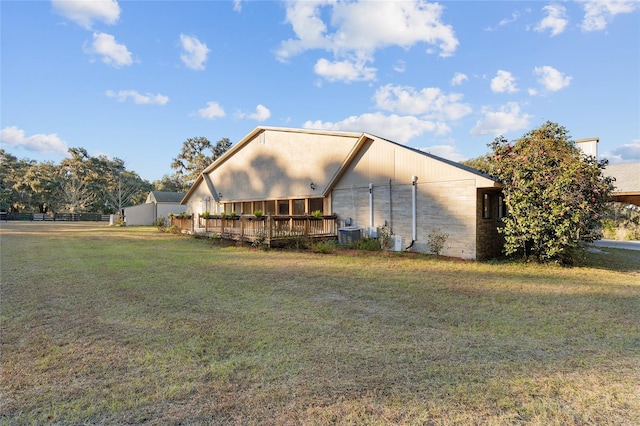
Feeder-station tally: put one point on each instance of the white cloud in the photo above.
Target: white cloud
(506, 119)
(514, 17)
(599, 13)
(112, 52)
(555, 21)
(194, 53)
(504, 81)
(551, 79)
(400, 66)
(625, 153)
(84, 13)
(344, 70)
(394, 127)
(213, 110)
(506, 21)
(237, 5)
(262, 113)
(358, 29)
(449, 152)
(45, 144)
(458, 79)
(138, 98)
(430, 101)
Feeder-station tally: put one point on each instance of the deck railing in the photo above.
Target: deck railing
(267, 228)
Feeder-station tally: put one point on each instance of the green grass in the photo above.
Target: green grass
(105, 325)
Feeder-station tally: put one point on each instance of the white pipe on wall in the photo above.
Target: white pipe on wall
(390, 208)
(414, 207)
(371, 208)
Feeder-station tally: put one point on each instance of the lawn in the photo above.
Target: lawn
(109, 325)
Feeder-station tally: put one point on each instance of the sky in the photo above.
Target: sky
(135, 79)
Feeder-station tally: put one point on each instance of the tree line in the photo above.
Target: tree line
(83, 183)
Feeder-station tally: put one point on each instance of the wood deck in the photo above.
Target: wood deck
(269, 229)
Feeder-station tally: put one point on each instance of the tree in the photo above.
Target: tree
(122, 187)
(169, 183)
(479, 163)
(622, 222)
(80, 181)
(44, 181)
(15, 194)
(197, 153)
(555, 195)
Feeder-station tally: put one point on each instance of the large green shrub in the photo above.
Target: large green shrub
(555, 195)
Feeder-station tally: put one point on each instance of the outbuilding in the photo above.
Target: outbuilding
(157, 204)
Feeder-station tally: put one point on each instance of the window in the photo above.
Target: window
(486, 206)
(283, 207)
(298, 207)
(316, 204)
(270, 207)
(206, 204)
(246, 207)
(502, 207)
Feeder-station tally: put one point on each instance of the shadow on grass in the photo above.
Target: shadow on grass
(613, 259)
(174, 330)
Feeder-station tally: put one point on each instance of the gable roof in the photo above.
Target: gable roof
(165, 197)
(332, 159)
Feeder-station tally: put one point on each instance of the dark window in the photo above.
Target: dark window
(486, 206)
(298, 207)
(246, 208)
(316, 204)
(502, 207)
(270, 207)
(283, 207)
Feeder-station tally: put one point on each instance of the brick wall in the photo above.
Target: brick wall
(445, 207)
(489, 241)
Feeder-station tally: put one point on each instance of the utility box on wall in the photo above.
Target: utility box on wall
(349, 235)
(398, 243)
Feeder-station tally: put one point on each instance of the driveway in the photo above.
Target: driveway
(627, 245)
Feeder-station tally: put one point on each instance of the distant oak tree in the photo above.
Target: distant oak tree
(197, 153)
(80, 183)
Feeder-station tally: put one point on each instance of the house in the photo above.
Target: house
(627, 182)
(358, 180)
(626, 175)
(158, 204)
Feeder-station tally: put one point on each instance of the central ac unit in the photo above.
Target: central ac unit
(398, 243)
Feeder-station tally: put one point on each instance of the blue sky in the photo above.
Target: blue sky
(135, 79)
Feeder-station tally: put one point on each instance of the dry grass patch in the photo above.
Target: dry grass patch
(125, 326)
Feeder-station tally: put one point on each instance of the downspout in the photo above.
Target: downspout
(371, 209)
(390, 209)
(414, 211)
